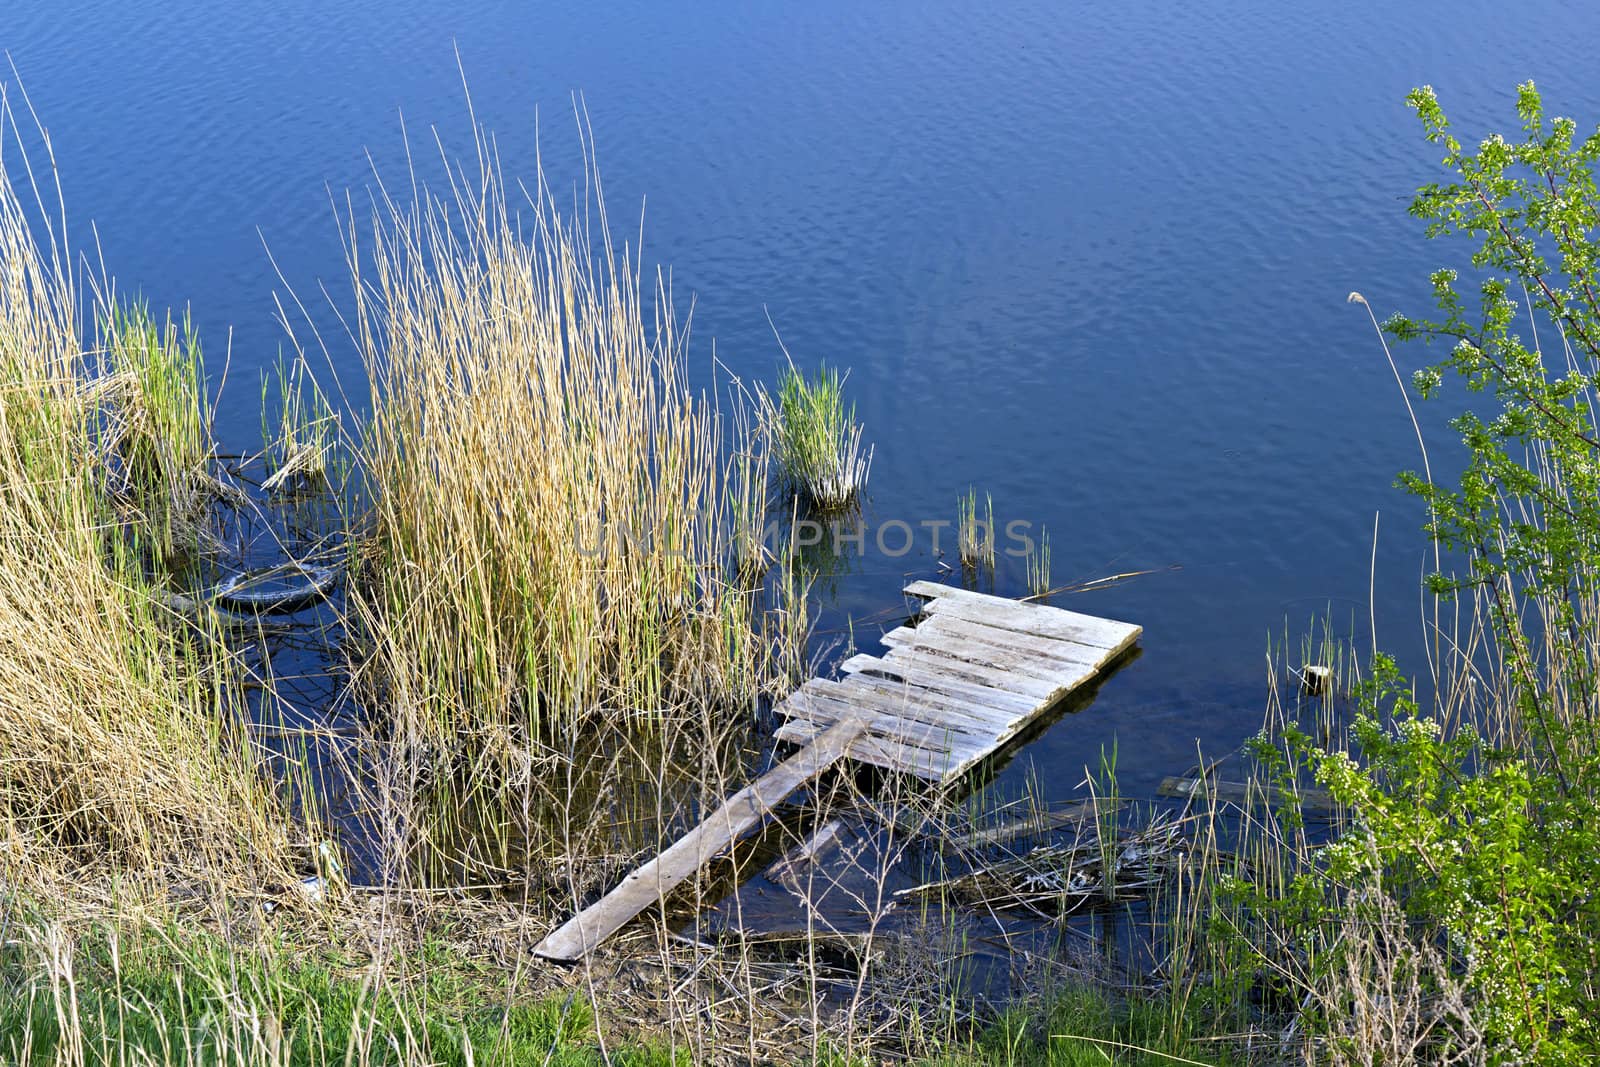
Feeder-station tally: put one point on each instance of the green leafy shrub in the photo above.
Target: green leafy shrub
(1455, 917)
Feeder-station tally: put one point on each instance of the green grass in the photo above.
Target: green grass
(818, 438)
(155, 427)
(1084, 1027)
(192, 999)
(172, 995)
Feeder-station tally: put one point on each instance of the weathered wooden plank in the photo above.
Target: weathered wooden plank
(1047, 651)
(906, 759)
(939, 705)
(749, 806)
(1242, 793)
(966, 644)
(1028, 618)
(882, 752)
(813, 706)
(1109, 631)
(988, 670)
(981, 704)
(890, 753)
(874, 668)
(922, 706)
(912, 664)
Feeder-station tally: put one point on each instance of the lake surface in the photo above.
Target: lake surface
(1089, 259)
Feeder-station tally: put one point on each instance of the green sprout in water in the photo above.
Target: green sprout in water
(974, 534)
(1039, 566)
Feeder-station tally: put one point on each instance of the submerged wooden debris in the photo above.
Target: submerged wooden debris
(794, 863)
(1244, 793)
(1057, 879)
(953, 689)
(1032, 824)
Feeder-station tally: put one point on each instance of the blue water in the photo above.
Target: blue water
(1090, 259)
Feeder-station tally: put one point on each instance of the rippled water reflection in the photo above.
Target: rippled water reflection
(1091, 259)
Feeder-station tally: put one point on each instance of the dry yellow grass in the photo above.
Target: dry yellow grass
(548, 488)
(116, 751)
(552, 564)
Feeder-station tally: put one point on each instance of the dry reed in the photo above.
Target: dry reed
(550, 606)
(118, 749)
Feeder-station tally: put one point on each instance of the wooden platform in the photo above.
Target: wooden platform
(968, 675)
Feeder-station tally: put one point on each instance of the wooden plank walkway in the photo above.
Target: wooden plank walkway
(971, 673)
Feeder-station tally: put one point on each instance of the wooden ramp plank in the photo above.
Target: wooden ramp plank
(911, 708)
(814, 706)
(1038, 619)
(650, 883)
(877, 672)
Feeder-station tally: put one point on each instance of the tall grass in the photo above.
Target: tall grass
(553, 558)
(749, 475)
(118, 751)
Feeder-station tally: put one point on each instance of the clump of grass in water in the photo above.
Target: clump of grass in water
(547, 568)
(303, 449)
(817, 438)
(155, 424)
(1107, 800)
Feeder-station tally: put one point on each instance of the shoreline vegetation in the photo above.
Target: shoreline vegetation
(196, 867)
